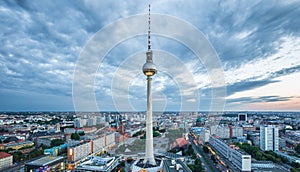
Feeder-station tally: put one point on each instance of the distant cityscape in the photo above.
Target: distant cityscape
(186, 141)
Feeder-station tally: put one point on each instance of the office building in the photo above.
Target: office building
(269, 138)
(221, 131)
(79, 122)
(242, 117)
(235, 131)
(237, 157)
(91, 121)
(98, 144)
(204, 135)
(80, 151)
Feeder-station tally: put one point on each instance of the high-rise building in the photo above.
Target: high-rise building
(204, 135)
(80, 151)
(242, 117)
(269, 138)
(79, 122)
(91, 121)
(235, 131)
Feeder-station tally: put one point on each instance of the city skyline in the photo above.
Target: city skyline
(257, 43)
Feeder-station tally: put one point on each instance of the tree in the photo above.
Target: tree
(156, 134)
(56, 142)
(191, 166)
(122, 163)
(81, 133)
(213, 158)
(198, 166)
(162, 130)
(75, 136)
(18, 156)
(190, 150)
(35, 153)
(205, 149)
(297, 148)
(295, 165)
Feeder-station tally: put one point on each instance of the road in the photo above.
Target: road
(228, 163)
(207, 164)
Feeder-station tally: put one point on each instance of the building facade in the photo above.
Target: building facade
(242, 117)
(47, 163)
(238, 158)
(269, 138)
(77, 152)
(5, 160)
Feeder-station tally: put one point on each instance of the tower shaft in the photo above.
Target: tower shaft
(149, 70)
(149, 129)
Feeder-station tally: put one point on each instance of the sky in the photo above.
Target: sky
(44, 43)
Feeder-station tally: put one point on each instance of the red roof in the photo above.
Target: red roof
(4, 155)
(180, 142)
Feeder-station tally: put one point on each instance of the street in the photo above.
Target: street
(207, 163)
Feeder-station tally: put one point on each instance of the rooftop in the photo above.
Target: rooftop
(4, 155)
(96, 163)
(44, 161)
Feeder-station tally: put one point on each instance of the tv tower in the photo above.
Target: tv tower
(149, 69)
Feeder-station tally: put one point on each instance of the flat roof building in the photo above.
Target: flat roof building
(98, 164)
(50, 163)
(238, 158)
(269, 138)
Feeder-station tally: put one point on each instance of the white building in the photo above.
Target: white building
(238, 158)
(269, 138)
(241, 160)
(236, 131)
(91, 121)
(98, 144)
(77, 152)
(79, 122)
(100, 120)
(5, 160)
(221, 130)
(110, 139)
(204, 135)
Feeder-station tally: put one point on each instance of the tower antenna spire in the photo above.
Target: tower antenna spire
(149, 40)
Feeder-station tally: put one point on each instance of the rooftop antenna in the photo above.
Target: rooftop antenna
(149, 41)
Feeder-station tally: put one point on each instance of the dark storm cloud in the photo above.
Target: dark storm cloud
(258, 99)
(246, 85)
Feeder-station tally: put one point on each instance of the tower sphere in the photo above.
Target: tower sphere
(149, 69)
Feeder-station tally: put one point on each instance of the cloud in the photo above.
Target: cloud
(257, 42)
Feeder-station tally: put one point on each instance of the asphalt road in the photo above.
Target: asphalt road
(206, 163)
(230, 165)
